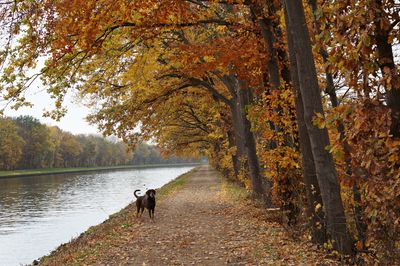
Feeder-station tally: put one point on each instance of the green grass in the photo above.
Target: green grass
(233, 191)
(55, 170)
(174, 185)
(45, 171)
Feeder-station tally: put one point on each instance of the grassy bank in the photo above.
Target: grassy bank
(49, 171)
(119, 226)
(233, 192)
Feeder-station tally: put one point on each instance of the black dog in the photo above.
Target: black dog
(147, 201)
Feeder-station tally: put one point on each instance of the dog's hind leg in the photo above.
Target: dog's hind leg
(141, 211)
(137, 212)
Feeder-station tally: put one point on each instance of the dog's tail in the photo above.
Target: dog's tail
(134, 193)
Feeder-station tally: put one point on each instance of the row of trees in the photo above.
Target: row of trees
(25, 143)
(145, 154)
(298, 101)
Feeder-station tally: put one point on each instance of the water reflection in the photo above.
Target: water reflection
(39, 213)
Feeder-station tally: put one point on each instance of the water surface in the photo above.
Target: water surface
(39, 213)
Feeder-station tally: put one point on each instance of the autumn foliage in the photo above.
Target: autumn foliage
(317, 136)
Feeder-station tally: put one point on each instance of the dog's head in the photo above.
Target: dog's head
(151, 193)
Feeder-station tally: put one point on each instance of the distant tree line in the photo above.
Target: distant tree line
(25, 143)
(150, 154)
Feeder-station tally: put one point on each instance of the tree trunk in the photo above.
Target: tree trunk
(314, 200)
(331, 91)
(310, 93)
(330, 86)
(235, 161)
(388, 67)
(361, 225)
(270, 33)
(238, 129)
(261, 188)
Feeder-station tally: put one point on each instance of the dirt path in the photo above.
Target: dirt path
(189, 229)
(196, 226)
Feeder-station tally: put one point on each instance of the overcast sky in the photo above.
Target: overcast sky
(74, 121)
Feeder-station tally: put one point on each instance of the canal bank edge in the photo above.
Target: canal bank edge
(56, 171)
(102, 230)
